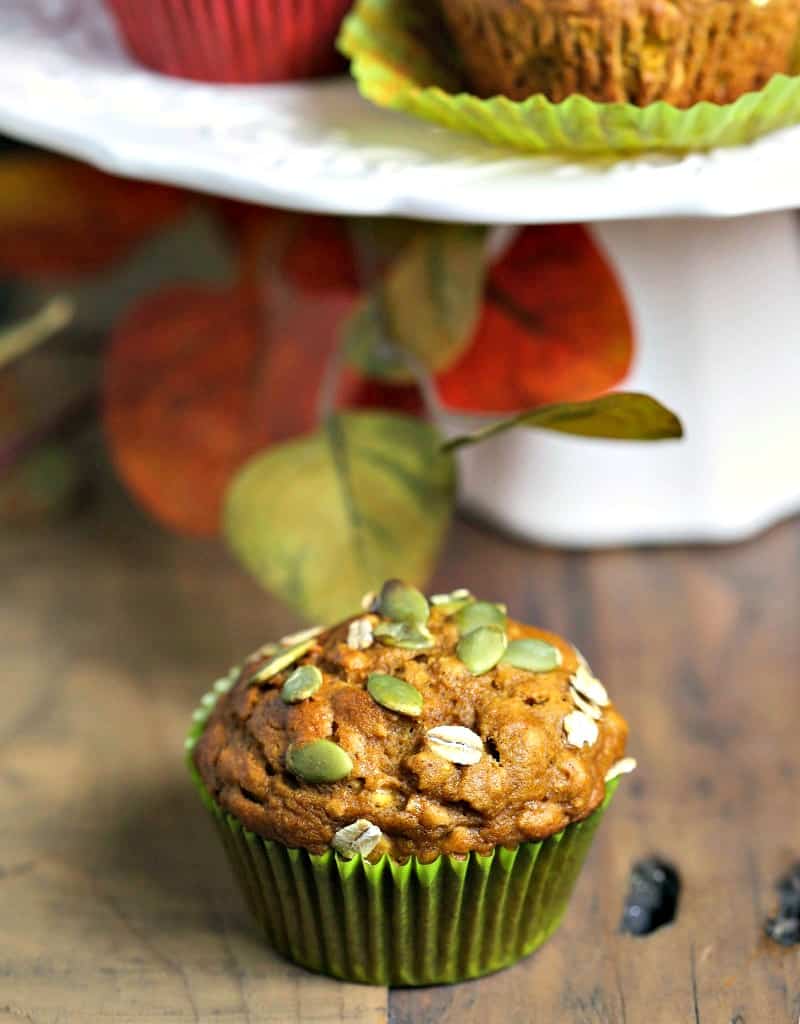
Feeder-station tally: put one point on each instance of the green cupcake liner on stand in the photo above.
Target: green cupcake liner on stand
(398, 62)
(401, 924)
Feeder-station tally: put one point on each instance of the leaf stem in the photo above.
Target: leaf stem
(367, 264)
(22, 338)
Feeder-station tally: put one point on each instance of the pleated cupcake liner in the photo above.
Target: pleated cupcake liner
(399, 62)
(400, 924)
(223, 41)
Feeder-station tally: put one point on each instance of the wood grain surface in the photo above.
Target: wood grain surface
(115, 902)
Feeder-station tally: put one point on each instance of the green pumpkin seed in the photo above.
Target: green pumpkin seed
(280, 661)
(480, 613)
(301, 684)
(395, 694)
(226, 682)
(300, 637)
(401, 602)
(453, 602)
(319, 761)
(404, 634)
(532, 655)
(482, 648)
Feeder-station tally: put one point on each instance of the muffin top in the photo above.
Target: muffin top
(418, 728)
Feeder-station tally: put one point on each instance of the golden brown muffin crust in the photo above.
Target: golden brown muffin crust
(528, 784)
(639, 51)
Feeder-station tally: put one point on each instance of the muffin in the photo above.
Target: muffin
(222, 41)
(407, 797)
(639, 52)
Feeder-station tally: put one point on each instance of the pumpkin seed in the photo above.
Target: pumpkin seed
(278, 662)
(226, 682)
(302, 635)
(480, 613)
(589, 687)
(532, 655)
(359, 838)
(301, 684)
(404, 634)
(359, 635)
(265, 651)
(623, 767)
(453, 602)
(395, 694)
(401, 602)
(482, 648)
(580, 730)
(319, 761)
(455, 743)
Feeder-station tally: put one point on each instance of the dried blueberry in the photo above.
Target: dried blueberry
(652, 898)
(785, 928)
(789, 893)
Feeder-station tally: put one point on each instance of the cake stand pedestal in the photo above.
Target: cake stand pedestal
(716, 308)
(703, 244)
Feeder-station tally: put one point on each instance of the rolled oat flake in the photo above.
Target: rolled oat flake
(580, 730)
(360, 838)
(455, 743)
(360, 635)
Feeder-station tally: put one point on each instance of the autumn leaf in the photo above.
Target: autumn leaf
(319, 256)
(554, 327)
(427, 304)
(180, 407)
(59, 217)
(197, 379)
(322, 519)
(623, 416)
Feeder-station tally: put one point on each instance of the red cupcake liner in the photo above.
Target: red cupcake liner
(233, 40)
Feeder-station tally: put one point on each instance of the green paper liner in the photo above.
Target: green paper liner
(398, 62)
(400, 924)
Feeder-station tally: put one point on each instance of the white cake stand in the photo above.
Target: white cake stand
(705, 247)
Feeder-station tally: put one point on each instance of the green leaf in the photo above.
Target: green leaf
(323, 519)
(622, 416)
(427, 305)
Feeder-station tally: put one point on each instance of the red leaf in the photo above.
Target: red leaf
(555, 327)
(197, 380)
(320, 256)
(180, 413)
(58, 217)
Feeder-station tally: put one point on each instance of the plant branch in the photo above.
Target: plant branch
(24, 337)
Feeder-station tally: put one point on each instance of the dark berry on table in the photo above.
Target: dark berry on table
(785, 930)
(789, 893)
(652, 898)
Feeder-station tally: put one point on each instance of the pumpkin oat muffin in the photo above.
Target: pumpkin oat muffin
(639, 51)
(440, 738)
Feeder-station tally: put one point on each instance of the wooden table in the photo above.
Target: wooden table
(115, 902)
